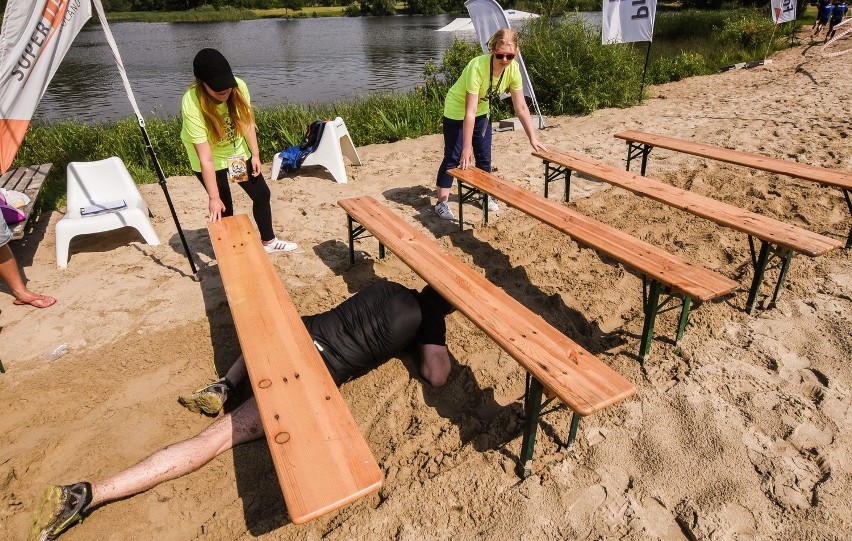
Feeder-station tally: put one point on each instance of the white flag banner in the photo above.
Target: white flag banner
(627, 21)
(35, 36)
(783, 11)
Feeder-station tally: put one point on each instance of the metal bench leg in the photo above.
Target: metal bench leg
(681, 326)
(634, 150)
(572, 433)
(552, 174)
(461, 205)
(350, 223)
(381, 250)
(759, 269)
(532, 405)
(848, 204)
(785, 266)
(2, 370)
(651, 306)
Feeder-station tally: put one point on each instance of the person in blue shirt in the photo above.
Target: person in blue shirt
(837, 15)
(824, 10)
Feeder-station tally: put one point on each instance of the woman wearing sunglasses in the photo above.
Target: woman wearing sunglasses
(467, 126)
(220, 138)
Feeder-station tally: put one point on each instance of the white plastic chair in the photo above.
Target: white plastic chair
(98, 183)
(334, 144)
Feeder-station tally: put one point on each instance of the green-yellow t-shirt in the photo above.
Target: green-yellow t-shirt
(474, 80)
(194, 130)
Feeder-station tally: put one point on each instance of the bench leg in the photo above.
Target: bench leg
(848, 204)
(785, 266)
(759, 269)
(651, 306)
(2, 370)
(532, 405)
(634, 150)
(681, 326)
(552, 173)
(381, 251)
(350, 223)
(572, 432)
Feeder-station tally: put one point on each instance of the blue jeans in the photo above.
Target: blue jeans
(453, 140)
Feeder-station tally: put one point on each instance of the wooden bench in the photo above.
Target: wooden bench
(779, 238)
(640, 144)
(320, 455)
(581, 381)
(27, 180)
(667, 273)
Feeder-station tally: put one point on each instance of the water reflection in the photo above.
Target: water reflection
(298, 61)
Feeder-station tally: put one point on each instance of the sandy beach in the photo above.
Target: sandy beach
(744, 435)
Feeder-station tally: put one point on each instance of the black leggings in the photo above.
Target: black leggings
(259, 193)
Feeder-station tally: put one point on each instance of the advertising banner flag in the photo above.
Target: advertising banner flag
(35, 36)
(628, 21)
(783, 11)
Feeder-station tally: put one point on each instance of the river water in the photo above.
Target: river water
(316, 60)
(282, 60)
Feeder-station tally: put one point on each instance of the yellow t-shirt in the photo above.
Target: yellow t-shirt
(194, 130)
(474, 80)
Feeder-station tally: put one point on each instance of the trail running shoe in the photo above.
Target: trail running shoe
(61, 507)
(208, 400)
(443, 211)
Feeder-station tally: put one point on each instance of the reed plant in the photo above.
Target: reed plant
(201, 14)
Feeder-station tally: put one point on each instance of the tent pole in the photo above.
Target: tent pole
(162, 177)
(771, 38)
(644, 72)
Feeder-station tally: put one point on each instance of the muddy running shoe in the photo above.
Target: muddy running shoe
(60, 508)
(443, 211)
(208, 400)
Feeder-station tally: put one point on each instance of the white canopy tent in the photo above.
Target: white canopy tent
(464, 24)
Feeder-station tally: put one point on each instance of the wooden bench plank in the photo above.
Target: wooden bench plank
(679, 274)
(320, 456)
(840, 179)
(27, 180)
(579, 379)
(782, 234)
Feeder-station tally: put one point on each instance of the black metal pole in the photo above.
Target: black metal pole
(162, 178)
(644, 72)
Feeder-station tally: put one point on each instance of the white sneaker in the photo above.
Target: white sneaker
(443, 211)
(492, 204)
(278, 245)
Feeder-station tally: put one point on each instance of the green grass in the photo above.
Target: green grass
(189, 16)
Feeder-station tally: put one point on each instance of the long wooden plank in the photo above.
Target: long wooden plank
(757, 225)
(682, 276)
(320, 456)
(578, 378)
(830, 177)
(27, 180)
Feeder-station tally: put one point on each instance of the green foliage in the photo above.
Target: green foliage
(455, 59)
(749, 30)
(572, 72)
(675, 68)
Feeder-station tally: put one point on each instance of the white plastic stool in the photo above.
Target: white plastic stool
(334, 144)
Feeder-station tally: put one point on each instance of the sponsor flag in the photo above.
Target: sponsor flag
(783, 11)
(35, 36)
(628, 21)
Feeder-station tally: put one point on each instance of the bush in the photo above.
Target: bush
(573, 73)
(749, 31)
(675, 68)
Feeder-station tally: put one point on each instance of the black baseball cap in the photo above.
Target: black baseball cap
(211, 67)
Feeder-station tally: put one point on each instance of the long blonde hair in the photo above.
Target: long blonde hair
(504, 36)
(238, 109)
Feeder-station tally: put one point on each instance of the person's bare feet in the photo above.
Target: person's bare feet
(34, 299)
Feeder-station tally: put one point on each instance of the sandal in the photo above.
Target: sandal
(278, 245)
(38, 301)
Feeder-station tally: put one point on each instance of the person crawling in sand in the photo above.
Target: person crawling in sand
(355, 337)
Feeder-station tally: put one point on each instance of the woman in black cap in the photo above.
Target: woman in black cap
(219, 134)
